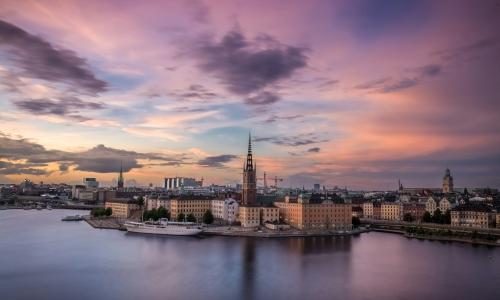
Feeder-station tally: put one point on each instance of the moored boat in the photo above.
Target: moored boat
(163, 227)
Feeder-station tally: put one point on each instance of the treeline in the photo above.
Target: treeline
(438, 217)
(448, 233)
(156, 214)
(101, 212)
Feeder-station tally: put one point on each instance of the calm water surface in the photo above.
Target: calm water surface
(44, 258)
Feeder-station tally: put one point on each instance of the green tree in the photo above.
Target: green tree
(163, 213)
(208, 217)
(407, 217)
(140, 201)
(355, 221)
(427, 217)
(438, 216)
(108, 212)
(191, 218)
(180, 217)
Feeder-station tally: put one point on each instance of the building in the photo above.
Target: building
(173, 183)
(249, 190)
(269, 214)
(123, 207)
(154, 201)
(225, 210)
(316, 214)
(498, 220)
(120, 177)
(431, 205)
(377, 210)
(415, 209)
(196, 205)
(447, 182)
(368, 210)
(90, 183)
(472, 215)
(391, 211)
(249, 216)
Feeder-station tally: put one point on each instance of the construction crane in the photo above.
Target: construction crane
(276, 179)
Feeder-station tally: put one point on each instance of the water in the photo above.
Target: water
(44, 258)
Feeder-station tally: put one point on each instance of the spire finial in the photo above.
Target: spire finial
(249, 143)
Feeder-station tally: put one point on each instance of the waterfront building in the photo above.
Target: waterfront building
(90, 182)
(196, 205)
(249, 216)
(123, 207)
(249, 190)
(377, 210)
(154, 201)
(473, 215)
(303, 213)
(431, 205)
(447, 182)
(172, 183)
(415, 209)
(225, 209)
(391, 211)
(269, 214)
(368, 210)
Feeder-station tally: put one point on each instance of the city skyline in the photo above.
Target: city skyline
(353, 94)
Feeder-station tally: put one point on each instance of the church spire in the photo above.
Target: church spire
(249, 164)
(120, 177)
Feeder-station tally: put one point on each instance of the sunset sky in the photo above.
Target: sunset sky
(347, 93)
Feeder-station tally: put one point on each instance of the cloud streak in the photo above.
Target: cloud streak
(37, 58)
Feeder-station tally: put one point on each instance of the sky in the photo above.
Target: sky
(340, 93)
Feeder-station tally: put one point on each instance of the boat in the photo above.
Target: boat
(163, 227)
(73, 218)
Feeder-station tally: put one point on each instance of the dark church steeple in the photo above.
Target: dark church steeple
(249, 192)
(120, 177)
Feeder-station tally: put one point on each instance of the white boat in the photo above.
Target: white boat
(163, 227)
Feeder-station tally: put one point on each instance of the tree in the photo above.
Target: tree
(163, 213)
(181, 217)
(208, 217)
(355, 221)
(438, 216)
(191, 218)
(108, 212)
(140, 201)
(427, 217)
(447, 217)
(407, 217)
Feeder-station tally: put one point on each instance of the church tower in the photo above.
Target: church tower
(447, 182)
(120, 177)
(249, 177)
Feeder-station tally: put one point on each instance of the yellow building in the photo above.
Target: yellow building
(368, 210)
(324, 215)
(390, 211)
(122, 207)
(269, 214)
(249, 216)
(186, 206)
(471, 215)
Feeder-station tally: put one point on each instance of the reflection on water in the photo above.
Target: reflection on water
(44, 258)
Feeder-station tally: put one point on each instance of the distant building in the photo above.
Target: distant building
(447, 182)
(172, 183)
(249, 216)
(90, 183)
(498, 220)
(472, 215)
(155, 201)
(317, 187)
(431, 205)
(122, 208)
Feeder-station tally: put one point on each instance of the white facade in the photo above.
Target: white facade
(226, 210)
(91, 183)
(178, 182)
